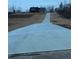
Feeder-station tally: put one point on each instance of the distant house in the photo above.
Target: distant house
(37, 9)
(42, 9)
(34, 9)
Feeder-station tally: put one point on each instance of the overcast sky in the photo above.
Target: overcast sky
(25, 4)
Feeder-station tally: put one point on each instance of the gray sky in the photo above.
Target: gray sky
(25, 4)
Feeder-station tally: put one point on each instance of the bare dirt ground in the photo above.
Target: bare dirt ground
(58, 54)
(31, 18)
(18, 22)
(56, 19)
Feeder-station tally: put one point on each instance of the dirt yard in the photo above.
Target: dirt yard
(58, 54)
(31, 18)
(18, 22)
(56, 19)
